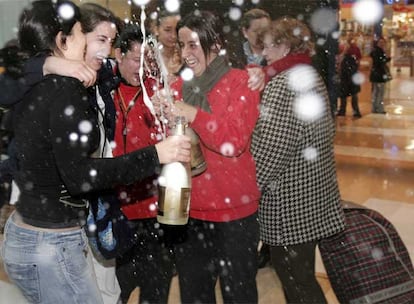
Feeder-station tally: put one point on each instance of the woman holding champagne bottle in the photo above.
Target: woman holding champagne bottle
(221, 237)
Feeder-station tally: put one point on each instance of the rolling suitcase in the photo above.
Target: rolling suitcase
(368, 262)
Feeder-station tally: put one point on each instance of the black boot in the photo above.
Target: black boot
(342, 107)
(263, 256)
(355, 106)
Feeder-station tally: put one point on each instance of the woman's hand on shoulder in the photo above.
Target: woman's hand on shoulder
(256, 78)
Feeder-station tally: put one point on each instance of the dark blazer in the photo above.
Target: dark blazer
(379, 70)
(348, 68)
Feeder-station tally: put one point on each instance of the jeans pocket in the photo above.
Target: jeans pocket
(26, 277)
(73, 257)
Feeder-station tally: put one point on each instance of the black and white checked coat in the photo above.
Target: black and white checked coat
(295, 161)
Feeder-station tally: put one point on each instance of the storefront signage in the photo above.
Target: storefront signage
(389, 2)
(403, 56)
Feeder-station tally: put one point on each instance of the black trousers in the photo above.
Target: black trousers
(149, 265)
(226, 251)
(354, 103)
(295, 266)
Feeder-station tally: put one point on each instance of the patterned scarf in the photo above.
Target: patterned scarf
(195, 91)
(285, 63)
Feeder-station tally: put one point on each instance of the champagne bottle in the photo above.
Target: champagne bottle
(198, 163)
(174, 187)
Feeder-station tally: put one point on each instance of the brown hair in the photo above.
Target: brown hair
(253, 14)
(93, 14)
(292, 32)
(209, 28)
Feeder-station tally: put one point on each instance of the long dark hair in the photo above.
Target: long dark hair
(40, 23)
(209, 28)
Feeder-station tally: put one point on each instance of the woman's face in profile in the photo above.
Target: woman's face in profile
(273, 51)
(75, 44)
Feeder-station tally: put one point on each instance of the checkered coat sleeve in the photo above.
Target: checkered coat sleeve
(295, 166)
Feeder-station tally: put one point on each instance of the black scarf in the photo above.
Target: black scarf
(195, 91)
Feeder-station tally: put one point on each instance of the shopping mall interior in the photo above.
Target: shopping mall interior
(374, 153)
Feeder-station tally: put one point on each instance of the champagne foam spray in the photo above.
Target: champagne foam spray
(147, 100)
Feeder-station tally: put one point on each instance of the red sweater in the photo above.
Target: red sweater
(139, 199)
(227, 190)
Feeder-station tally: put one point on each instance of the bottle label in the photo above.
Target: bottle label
(173, 205)
(197, 162)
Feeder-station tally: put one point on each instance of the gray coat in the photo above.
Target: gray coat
(295, 164)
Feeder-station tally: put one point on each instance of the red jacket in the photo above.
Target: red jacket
(355, 51)
(227, 190)
(138, 123)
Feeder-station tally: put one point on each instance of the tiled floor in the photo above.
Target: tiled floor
(375, 165)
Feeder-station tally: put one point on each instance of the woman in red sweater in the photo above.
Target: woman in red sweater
(221, 238)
